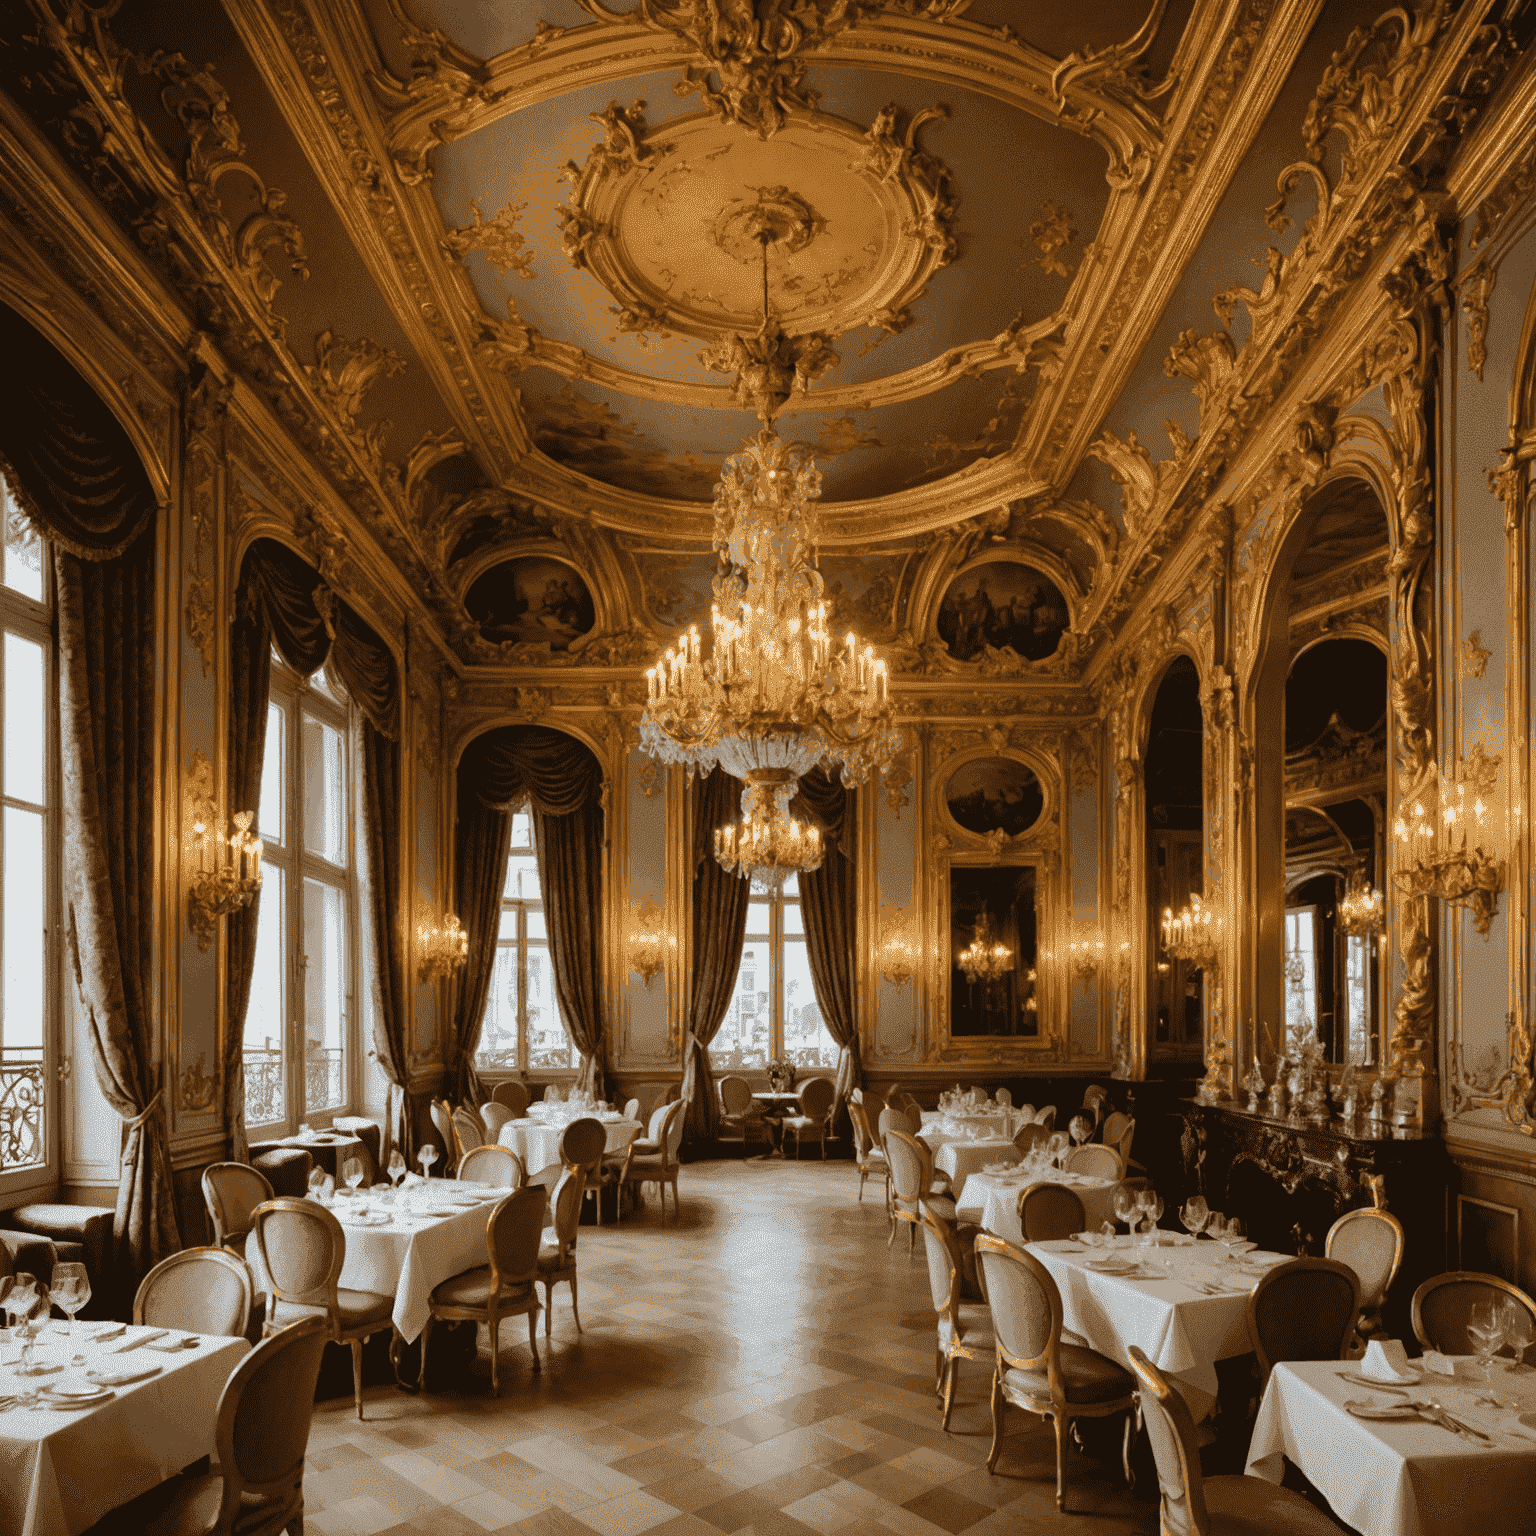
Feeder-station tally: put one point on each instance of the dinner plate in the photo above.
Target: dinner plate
(1109, 1266)
(365, 1218)
(1381, 1386)
(1367, 1410)
(121, 1376)
(53, 1398)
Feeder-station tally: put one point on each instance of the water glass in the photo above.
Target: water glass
(1485, 1327)
(71, 1289)
(1124, 1202)
(352, 1172)
(1519, 1329)
(1215, 1225)
(426, 1157)
(1194, 1214)
(397, 1167)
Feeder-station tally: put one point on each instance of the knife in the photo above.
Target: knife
(1438, 1415)
(148, 1338)
(1462, 1426)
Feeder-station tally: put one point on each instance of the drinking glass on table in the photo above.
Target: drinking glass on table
(1233, 1235)
(1485, 1328)
(37, 1303)
(71, 1287)
(1519, 1329)
(426, 1157)
(397, 1167)
(1215, 1225)
(1194, 1214)
(1155, 1215)
(316, 1181)
(1080, 1129)
(18, 1302)
(1124, 1202)
(1058, 1144)
(352, 1172)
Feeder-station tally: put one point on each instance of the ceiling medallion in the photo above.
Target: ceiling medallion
(775, 695)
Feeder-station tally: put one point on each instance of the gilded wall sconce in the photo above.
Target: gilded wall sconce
(648, 940)
(442, 946)
(899, 951)
(1447, 841)
(1085, 951)
(225, 858)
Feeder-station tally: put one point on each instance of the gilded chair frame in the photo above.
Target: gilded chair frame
(911, 1213)
(225, 1234)
(324, 1294)
(1278, 1275)
(494, 1310)
(495, 1152)
(1463, 1277)
(1370, 1308)
(200, 1257)
(790, 1123)
(1055, 1407)
(669, 1161)
(872, 1158)
(571, 1179)
(945, 1355)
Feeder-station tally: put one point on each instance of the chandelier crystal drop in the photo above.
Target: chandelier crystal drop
(772, 695)
(984, 959)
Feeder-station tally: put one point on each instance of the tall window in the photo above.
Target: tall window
(26, 845)
(522, 1030)
(773, 1010)
(298, 1035)
(1301, 989)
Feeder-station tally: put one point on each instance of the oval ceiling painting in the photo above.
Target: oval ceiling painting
(531, 601)
(1003, 606)
(994, 794)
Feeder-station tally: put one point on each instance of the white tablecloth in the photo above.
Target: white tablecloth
(961, 1159)
(539, 1145)
(939, 1129)
(992, 1200)
(1403, 1479)
(61, 1471)
(408, 1258)
(1182, 1331)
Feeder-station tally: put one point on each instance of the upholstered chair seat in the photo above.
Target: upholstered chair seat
(354, 1308)
(964, 1326)
(741, 1116)
(1089, 1378)
(818, 1098)
(475, 1287)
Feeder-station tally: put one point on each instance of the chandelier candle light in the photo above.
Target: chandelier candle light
(1190, 935)
(441, 947)
(226, 874)
(1441, 848)
(1362, 912)
(984, 959)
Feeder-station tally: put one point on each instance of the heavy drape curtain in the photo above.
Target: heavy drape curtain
(282, 601)
(562, 784)
(827, 907)
(719, 927)
(77, 477)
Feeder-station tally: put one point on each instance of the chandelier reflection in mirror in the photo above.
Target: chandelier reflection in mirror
(984, 958)
(773, 695)
(1362, 912)
(1191, 933)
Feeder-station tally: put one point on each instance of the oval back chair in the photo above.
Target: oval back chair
(1371, 1242)
(442, 1119)
(1029, 1136)
(514, 1095)
(1443, 1304)
(817, 1098)
(493, 1165)
(493, 1116)
(1303, 1310)
(1094, 1160)
(199, 1290)
(1048, 1212)
(231, 1191)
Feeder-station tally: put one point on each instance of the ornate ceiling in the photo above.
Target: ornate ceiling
(553, 260)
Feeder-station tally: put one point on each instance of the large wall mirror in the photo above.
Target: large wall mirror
(994, 949)
(1175, 800)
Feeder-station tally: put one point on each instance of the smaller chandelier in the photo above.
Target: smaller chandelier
(769, 845)
(984, 959)
(441, 946)
(1191, 934)
(226, 876)
(1362, 912)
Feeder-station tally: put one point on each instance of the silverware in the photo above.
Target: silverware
(1366, 1381)
(1445, 1416)
(149, 1338)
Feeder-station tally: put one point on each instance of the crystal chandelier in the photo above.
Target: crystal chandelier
(772, 696)
(1191, 934)
(1362, 913)
(984, 959)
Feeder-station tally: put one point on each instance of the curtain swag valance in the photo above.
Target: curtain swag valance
(554, 772)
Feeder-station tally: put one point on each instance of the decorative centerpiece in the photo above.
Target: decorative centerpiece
(1275, 1104)
(1255, 1085)
(781, 1075)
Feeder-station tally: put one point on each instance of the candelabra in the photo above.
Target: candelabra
(648, 941)
(984, 959)
(1192, 934)
(1085, 951)
(226, 873)
(773, 696)
(442, 946)
(1362, 912)
(1441, 840)
(899, 949)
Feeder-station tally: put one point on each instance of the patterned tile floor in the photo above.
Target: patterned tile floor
(761, 1363)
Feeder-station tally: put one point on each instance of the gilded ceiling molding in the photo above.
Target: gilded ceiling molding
(498, 236)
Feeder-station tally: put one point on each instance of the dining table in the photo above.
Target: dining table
(991, 1200)
(1405, 1475)
(406, 1243)
(536, 1139)
(1183, 1301)
(62, 1468)
(328, 1150)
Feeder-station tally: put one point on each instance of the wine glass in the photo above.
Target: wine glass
(1194, 1213)
(1485, 1327)
(1234, 1235)
(397, 1167)
(1519, 1330)
(36, 1303)
(1155, 1215)
(426, 1157)
(1058, 1144)
(18, 1301)
(1080, 1128)
(316, 1181)
(71, 1287)
(352, 1172)
(1215, 1225)
(1124, 1202)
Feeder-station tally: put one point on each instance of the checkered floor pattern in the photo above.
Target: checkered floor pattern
(761, 1363)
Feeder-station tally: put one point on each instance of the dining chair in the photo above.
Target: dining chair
(303, 1248)
(1093, 1161)
(1196, 1505)
(914, 1110)
(371, 1134)
(558, 1263)
(1304, 1309)
(818, 1097)
(582, 1145)
(1442, 1307)
(653, 1159)
(1119, 1132)
(494, 1165)
(504, 1286)
(895, 1118)
(1046, 1117)
(231, 1191)
(442, 1118)
(1049, 1212)
(1029, 1136)
(1036, 1370)
(870, 1158)
(914, 1187)
(740, 1112)
(513, 1094)
(260, 1441)
(468, 1130)
(199, 1290)
(964, 1327)
(1371, 1242)
(493, 1116)
(632, 1110)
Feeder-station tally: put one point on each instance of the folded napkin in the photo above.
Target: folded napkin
(411, 1180)
(120, 1376)
(1441, 1365)
(1386, 1360)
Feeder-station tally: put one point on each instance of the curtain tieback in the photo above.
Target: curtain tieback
(144, 1114)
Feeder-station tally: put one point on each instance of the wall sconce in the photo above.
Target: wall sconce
(1442, 840)
(1192, 934)
(442, 946)
(225, 872)
(649, 941)
(1085, 951)
(899, 951)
